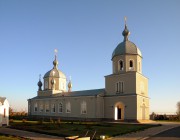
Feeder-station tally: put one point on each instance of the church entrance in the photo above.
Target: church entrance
(119, 114)
(119, 111)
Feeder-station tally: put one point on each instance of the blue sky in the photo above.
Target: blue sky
(85, 34)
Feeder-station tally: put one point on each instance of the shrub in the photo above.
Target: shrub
(40, 122)
(11, 120)
(80, 122)
(59, 121)
(24, 120)
(88, 126)
(51, 120)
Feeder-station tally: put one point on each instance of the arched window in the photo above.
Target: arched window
(120, 87)
(121, 65)
(83, 107)
(35, 107)
(41, 108)
(131, 65)
(47, 107)
(60, 107)
(53, 108)
(46, 85)
(68, 107)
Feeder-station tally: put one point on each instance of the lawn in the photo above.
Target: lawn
(64, 129)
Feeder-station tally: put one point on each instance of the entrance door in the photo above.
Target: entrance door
(119, 114)
(119, 111)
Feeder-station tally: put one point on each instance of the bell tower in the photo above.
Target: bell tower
(126, 57)
(126, 89)
(127, 69)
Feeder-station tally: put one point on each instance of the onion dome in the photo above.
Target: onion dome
(55, 63)
(126, 33)
(39, 83)
(69, 85)
(126, 47)
(55, 72)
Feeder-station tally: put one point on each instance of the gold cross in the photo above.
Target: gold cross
(125, 20)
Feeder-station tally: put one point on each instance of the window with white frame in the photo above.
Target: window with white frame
(131, 65)
(35, 107)
(46, 85)
(83, 108)
(47, 107)
(68, 107)
(120, 87)
(53, 108)
(41, 108)
(121, 65)
(60, 108)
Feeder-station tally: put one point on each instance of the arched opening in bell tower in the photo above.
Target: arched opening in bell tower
(121, 65)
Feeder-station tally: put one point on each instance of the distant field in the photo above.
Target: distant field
(64, 129)
(178, 121)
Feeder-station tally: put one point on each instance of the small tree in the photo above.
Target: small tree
(153, 116)
(11, 113)
(178, 110)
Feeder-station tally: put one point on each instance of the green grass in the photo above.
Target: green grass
(64, 129)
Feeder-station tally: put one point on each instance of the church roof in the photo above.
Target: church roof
(55, 73)
(2, 99)
(93, 92)
(126, 47)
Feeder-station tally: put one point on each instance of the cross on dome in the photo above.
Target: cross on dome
(55, 62)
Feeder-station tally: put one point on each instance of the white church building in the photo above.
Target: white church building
(125, 96)
(4, 112)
